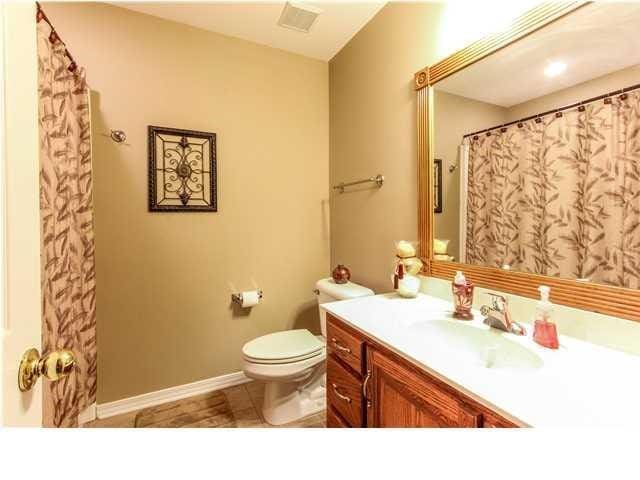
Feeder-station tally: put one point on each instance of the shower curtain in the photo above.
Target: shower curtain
(560, 196)
(66, 212)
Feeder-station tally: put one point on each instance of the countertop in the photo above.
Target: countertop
(580, 384)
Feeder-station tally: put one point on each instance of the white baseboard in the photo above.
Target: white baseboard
(171, 394)
(88, 414)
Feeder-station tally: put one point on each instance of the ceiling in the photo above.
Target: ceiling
(257, 22)
(597, 39)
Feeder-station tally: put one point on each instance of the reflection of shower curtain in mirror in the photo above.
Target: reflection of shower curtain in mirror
(463, 168)
(66, 211)
(560, 197)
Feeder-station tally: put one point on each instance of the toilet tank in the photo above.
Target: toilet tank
(330, 291)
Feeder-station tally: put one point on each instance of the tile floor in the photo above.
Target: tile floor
(234, 407)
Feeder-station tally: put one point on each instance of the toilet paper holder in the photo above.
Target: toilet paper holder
(237, 297)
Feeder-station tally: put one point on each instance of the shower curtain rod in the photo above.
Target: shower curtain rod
(40, 15)
(558, 111)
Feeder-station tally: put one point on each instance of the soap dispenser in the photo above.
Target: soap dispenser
(462, 290)
(544, 330)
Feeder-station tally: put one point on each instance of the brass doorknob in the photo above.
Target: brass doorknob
(53, 366)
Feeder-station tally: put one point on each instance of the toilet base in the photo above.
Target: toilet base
(286, 402)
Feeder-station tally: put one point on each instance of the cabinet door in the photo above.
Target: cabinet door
(334, 420)
(401, 397)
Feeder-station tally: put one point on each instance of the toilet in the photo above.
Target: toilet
(292, 362)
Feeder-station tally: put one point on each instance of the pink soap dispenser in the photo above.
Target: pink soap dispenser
(544, 330)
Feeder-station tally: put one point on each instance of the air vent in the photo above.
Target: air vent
(298, 17)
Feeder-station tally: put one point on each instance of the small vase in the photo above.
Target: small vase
(341, 274)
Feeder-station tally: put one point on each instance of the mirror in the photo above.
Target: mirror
(540, 150)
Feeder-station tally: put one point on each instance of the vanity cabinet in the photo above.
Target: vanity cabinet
(370, 386)
(401, 397)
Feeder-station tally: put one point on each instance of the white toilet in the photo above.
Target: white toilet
(292, 363)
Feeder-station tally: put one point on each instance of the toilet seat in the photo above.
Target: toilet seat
(283, 371)
(282, 361)
(285, 347)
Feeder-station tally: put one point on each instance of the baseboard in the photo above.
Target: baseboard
(88, 414)
(171, 394)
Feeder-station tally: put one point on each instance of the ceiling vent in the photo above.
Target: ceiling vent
(298, 16)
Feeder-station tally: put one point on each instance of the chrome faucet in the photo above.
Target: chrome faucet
(498, 316)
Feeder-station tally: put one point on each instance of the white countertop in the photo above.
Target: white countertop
(580, 384)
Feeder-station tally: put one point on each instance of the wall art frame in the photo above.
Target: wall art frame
(182, 170)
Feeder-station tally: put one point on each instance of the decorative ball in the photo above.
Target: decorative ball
(341, 274)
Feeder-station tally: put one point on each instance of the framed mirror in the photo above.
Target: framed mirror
(540, 129)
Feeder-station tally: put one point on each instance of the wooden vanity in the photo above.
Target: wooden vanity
(370, 386)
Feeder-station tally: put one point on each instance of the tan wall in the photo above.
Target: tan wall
(163, 279)
(454, 117)
(373, 130)
(583, 91)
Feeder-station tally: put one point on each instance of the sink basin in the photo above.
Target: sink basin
(486, 347)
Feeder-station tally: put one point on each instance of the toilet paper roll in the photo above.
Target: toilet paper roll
(250, 298)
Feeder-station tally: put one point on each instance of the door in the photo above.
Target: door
(20, 212)
(401, 397)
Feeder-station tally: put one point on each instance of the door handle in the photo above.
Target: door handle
(53, 366)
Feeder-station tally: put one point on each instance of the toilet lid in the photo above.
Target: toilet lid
(288, 345)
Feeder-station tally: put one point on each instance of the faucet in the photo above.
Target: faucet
(497, 315)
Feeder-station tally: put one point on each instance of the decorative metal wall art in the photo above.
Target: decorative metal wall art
(437, 185)
(182, 170)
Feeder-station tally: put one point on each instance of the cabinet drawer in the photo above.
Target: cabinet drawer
(344, 345)
(344, 393)
(334, 420)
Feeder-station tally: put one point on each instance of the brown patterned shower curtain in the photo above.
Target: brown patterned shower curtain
(66, 211)
(561, 196)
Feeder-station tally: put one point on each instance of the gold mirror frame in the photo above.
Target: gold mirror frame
(609, 300)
